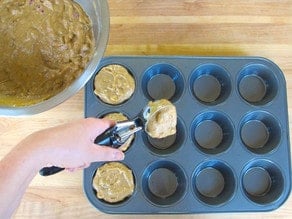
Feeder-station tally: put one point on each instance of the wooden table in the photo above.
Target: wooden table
(164, 27)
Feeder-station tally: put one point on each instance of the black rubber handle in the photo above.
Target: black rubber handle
(46, 171)
(106, 138)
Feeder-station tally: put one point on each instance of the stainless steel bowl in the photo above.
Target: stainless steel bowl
(98, 12)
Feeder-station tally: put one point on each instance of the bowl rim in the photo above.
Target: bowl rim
(79, 83)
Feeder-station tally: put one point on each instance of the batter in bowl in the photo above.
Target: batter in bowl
(44, 46)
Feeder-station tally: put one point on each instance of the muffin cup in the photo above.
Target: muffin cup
(210, 84)
(260, 132)
(167, 145)
(212, 132)
(213, 183)
(262, 182)
(127, 145)
(257, 84)
(91, 192)
(162, 81)
(164, 183)
(116, 94)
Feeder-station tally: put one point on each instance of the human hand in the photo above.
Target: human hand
(72, 145)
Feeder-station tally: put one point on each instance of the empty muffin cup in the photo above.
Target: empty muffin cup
(162, 81)
(260, 132)
(164, 183)
(210, 84)
(212, 132)
(257, 84)
(213, 182)
(161, 86)
(208, 134)
(255, 134)
(207, 88)
(257, 181)
(167, 145)
(262, 181)
(210, 182)
(162, 143)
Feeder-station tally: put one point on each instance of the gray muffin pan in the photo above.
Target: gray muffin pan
(231, 152)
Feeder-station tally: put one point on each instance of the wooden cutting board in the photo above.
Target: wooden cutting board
(164, 27)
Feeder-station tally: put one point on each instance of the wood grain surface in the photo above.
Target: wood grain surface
(164, 27)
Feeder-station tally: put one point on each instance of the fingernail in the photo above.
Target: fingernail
(118, 155)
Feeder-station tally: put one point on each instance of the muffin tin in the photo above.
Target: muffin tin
(231, 152)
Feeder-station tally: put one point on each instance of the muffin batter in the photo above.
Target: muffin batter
(44, 46)
(113, 182)
(162, 119)
(114, 84)
(119, 117)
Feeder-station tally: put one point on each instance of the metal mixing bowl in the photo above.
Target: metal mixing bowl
(98, 12)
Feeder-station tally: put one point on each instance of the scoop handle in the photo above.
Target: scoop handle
(47, 171)
(104, 139)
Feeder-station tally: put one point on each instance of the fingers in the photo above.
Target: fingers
(104, 153)
(96, 126)
(100, 153)
(85, 165)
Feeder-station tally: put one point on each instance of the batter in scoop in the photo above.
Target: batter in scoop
(44, 46)
(162, 119)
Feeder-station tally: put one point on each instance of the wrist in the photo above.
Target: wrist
(29, 155)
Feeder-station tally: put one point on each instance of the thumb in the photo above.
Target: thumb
(105, 153)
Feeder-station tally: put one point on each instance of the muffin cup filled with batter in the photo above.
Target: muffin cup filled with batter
(113, 182)
(120, 117)
(114, 84)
